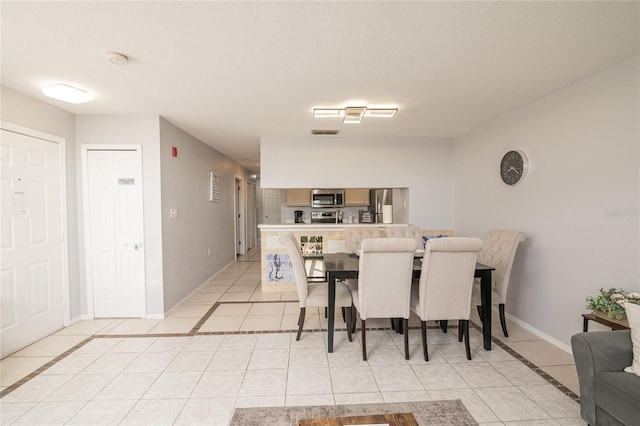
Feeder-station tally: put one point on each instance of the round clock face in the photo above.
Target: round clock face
(513, 167)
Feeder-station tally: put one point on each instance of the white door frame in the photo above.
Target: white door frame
(84, 153)
(239, 223)
(64, 242)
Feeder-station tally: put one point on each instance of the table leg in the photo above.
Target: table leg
(485, 296)
(585, 325)
(331, 311)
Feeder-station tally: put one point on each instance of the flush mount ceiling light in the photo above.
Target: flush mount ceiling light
(66, 93)
(353, 114)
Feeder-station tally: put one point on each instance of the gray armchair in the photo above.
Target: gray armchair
(608, 395)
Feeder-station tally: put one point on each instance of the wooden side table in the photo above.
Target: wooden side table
(614, 325)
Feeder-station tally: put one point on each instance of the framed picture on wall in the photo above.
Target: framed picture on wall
(214, 187)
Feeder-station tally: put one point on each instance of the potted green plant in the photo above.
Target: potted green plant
(609, 303)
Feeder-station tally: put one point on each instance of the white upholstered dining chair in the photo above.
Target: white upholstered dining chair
(446, 282)
(498, 251)
(384, 283)
(353, 236)
(316, 294)
(409, 231)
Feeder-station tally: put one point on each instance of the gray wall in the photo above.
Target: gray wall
(25, 111)
(579, 204)
(201, 224)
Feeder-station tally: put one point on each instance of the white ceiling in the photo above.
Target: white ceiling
(231, 72)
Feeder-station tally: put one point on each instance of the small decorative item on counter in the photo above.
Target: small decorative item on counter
(611, 302)
(365, 216)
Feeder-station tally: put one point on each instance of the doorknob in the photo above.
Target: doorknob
(137, 246)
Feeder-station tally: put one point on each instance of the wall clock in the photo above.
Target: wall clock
(513, 167)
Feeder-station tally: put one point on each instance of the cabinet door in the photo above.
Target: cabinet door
(356, 197)
(297, 197)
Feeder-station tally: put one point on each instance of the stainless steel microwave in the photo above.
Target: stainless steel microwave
(327, 198)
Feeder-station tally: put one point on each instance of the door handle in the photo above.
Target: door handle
(137, 246)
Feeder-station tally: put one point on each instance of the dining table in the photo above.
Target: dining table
(344, 266)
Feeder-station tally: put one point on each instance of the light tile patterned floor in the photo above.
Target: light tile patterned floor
(154, 372)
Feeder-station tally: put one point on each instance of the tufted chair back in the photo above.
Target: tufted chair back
(406, 232)
(446, 281)
(498, 251)
(288, 240)
(353, 236)
(384, 282)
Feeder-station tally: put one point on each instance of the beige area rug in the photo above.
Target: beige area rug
(426, 413)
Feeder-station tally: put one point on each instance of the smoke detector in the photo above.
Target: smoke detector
(117, 58)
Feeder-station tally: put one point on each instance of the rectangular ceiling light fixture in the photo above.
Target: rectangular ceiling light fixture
(353, 114)
(380, 112)
(328, 112)
(66, 93)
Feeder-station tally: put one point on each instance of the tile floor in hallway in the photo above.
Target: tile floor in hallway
(134, 371)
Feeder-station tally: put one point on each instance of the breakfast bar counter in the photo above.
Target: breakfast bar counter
(313, 239)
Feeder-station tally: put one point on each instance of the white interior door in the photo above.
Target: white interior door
(115, 226)
(32, 293)
(239, 218)
(271, 206)
(251, 215)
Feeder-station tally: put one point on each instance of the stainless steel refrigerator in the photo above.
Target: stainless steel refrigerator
(377, 199)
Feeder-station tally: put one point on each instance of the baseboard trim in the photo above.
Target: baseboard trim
(185, 298)
(541, 334)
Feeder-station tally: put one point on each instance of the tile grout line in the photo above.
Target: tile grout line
(194, 331)
(44, 367)
(539, 371)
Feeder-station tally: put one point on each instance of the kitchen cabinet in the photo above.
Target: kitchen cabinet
(356, 197)
(297, 197)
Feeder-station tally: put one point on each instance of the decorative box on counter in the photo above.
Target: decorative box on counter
(365, 216)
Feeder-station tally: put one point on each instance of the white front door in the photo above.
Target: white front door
(115, 227)
(32, 290)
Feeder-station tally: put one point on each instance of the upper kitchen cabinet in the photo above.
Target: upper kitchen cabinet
(297, 197)
(356, 197)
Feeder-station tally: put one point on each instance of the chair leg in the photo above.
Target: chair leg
(503, 323)
(460, 330)
(326, 312)
(443, 325)
(466, 339)
(364, 341)
(406, 338)
(300, 322)
(348, 316)
(343, 314)
(423, 327)
(479, 307)
(354, 319)
(393, 324)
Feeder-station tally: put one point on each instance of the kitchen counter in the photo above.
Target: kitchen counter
(325, 226)
(314, 239)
